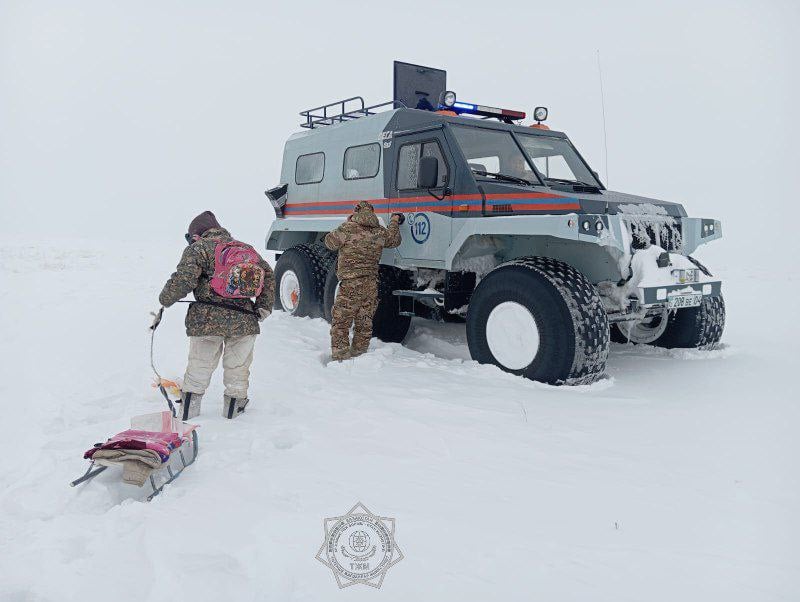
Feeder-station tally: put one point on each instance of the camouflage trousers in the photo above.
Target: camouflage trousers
(355, 306)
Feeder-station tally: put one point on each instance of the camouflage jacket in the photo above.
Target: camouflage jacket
(194, 273)
(360, 242)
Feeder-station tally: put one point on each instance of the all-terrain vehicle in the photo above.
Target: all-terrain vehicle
(507, 227)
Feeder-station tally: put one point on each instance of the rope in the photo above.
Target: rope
(156, 321)
(249, 312)
(157, 315)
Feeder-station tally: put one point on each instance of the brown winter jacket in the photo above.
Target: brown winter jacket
(360, 242)
(194, 273)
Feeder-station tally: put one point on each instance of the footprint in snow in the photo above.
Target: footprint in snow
(286, 439)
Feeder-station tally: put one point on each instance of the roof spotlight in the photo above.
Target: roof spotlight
(447, 99)
(540, 113)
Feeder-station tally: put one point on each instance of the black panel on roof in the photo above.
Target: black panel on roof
(418, 87)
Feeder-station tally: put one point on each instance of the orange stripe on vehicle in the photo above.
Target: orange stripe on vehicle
(426, 199)
(441, 209)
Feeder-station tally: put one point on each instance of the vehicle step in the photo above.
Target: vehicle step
(419, 294)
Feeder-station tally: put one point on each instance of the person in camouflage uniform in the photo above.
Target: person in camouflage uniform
(215, 331)
(360, 241)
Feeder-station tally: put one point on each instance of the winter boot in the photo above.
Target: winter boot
(190, 405)
(233, 406)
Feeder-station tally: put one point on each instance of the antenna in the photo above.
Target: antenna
(603, 108)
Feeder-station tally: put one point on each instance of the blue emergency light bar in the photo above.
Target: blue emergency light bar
(482, 110)
(448, 102)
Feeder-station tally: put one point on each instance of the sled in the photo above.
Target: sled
(180, 457)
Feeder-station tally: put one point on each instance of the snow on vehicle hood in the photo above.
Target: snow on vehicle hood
(620, 202)
(606, 201)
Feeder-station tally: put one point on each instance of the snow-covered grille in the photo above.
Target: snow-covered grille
(665, 232)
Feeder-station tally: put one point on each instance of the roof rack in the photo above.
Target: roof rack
(348, 109)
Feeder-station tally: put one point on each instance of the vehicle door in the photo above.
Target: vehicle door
(427, 229)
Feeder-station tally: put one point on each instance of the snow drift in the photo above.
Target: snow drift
(673, 478)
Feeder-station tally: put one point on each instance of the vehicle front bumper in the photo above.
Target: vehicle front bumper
(656, 295)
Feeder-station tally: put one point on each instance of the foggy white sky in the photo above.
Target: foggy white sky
(125, 120)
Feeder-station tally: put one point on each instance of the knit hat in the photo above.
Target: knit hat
(204, 221)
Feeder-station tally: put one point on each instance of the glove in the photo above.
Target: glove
(157, 315)
(400, 217)
(263, 314)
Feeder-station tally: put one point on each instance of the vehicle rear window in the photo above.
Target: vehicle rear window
(309, 169)
(361, 161)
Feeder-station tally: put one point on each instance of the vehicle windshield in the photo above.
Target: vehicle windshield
(556, 159)
(494, 153)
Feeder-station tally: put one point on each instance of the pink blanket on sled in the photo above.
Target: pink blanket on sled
(163, 443)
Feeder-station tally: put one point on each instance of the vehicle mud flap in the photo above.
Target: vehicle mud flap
(387, 325)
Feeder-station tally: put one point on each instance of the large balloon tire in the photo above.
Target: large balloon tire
(310, 265)
(569, 322)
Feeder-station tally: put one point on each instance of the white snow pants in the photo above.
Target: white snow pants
(204, 354)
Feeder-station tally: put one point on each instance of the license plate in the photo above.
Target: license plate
(679, 301)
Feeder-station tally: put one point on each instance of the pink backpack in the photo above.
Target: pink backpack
(237, 271)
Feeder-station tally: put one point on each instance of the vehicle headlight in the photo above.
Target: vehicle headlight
(684, 276)
(709, 227)
(598, 226)
(586, 225)
(449, 98)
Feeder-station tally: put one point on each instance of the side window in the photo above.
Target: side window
(408, 164)
(309, 169)
(361, 161)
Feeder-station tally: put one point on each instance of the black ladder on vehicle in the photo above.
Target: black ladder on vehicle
(340, 111)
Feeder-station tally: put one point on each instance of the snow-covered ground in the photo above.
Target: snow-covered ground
(675, 478)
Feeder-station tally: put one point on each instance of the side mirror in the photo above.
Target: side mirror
(428, 172)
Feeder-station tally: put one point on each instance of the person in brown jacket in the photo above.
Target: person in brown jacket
(216, 326)
(360, 241)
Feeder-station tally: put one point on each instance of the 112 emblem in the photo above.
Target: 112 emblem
(420, 226)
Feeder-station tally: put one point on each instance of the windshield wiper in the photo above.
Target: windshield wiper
(572, 182)
(502, 176)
